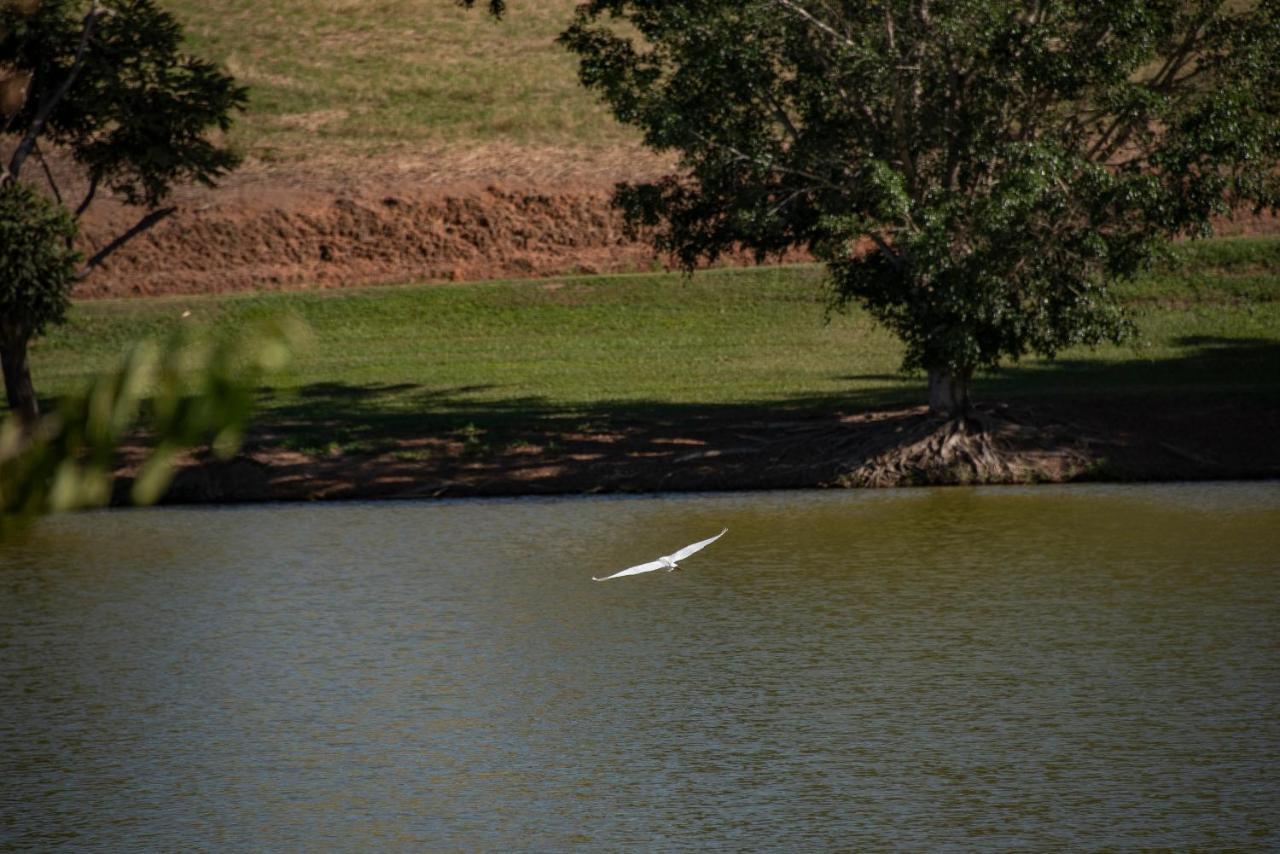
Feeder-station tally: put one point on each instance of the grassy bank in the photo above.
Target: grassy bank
(487, 360)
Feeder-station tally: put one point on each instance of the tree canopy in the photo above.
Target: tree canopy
(107, 84)
(38, 266)
(977, 173)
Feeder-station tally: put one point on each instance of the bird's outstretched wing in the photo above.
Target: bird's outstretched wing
(635, 570)
(695, 547)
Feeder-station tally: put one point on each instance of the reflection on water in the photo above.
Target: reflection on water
(1047, 667)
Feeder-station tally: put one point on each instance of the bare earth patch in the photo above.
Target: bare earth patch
(487, 212)
(493, 211)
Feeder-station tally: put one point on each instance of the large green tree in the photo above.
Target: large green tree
(977, 173)
(106, 85)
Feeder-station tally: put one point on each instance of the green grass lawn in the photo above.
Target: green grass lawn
(398, 361)
(397, 75)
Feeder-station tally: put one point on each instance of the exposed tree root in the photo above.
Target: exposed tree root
(985, 446)
(905, 447)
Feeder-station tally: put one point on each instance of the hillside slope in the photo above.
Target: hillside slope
(392, 141)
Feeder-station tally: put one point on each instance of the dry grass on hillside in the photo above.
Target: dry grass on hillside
(415, 79)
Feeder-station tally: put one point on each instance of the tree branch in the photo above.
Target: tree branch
(781, 170)
(88, 196)
(857, 103)
(48, 175)
(1164, 81)
(141, 226)
(952, 125)
(1178, 58)
(821, 25)
(900, 135)
(788, 200)
(781, 114)
(894, 258)
(45, 109)
(53, 185)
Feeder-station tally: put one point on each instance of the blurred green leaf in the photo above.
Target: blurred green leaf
(187, 392)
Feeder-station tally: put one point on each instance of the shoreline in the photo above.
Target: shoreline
(190, 499)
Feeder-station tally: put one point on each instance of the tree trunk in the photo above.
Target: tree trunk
(948, 392)
(17, 372)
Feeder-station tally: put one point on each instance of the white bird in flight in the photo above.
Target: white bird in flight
(667, 562)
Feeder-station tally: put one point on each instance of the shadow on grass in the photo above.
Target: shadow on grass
(1207, 364)
(378, 418)
(1218, 392)
(1211, 412)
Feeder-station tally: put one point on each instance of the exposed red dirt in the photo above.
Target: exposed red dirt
(267, 230)
(273, 230)
(272, 239)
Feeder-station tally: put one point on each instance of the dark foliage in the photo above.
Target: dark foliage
(138, 110)
(37, 264)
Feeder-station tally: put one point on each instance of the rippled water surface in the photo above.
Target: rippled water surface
(1049, 667)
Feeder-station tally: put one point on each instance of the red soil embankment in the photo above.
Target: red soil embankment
(272, 231)
(307, 226)
(274, 239)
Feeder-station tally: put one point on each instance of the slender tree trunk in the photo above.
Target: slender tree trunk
(17, 372)
(948, 392)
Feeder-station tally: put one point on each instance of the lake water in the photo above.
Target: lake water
(1050, 667)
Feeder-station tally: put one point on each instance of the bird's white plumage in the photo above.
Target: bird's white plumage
(635, 570)
(667, 562)
(695, 547)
